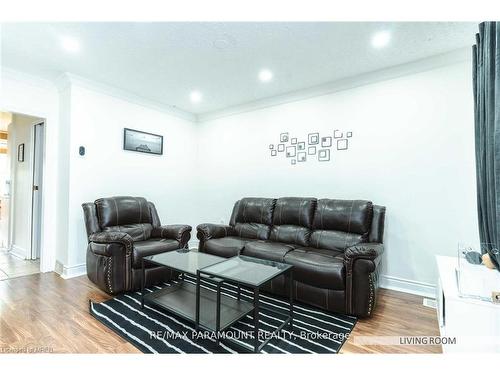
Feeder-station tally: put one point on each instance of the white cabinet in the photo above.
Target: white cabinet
(473, 323)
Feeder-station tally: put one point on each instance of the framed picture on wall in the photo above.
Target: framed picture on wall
(20, 153)
(135, 140)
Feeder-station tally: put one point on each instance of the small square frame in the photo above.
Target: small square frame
(326, 141)
(313, 138)
(291, 151)
(342, 144)
(337, 134)
(284, 137)
(324, 155)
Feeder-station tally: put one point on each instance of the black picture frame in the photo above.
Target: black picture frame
(20, 153)
(151, 143)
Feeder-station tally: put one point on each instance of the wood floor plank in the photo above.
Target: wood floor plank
(44, 310)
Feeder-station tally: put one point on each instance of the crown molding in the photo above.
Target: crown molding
(68, 79)
(27, 78)
(64, 82)
(417, 66)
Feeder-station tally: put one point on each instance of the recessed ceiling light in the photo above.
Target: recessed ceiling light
(265, 75)
(70, 44)
(195, 96)
(381, 39)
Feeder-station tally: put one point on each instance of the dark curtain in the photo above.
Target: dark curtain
(486, 80)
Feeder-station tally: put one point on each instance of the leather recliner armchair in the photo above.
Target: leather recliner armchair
(334, 245)
(122, 230)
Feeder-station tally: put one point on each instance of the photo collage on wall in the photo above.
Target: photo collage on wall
(318, 146)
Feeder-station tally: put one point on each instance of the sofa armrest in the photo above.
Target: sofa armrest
(362, 269)
(179, 232)
(208, 231)
(109, 261)
(109, 238)
(368, 251)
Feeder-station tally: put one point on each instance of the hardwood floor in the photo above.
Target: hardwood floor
(46, 312)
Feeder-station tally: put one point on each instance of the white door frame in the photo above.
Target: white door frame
(47, 254)
(36, 217)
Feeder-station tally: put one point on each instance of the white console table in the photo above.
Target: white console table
(474, 323)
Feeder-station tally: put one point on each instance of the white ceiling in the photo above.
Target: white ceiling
(164, 62)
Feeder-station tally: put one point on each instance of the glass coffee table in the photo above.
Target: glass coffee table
(208, 308)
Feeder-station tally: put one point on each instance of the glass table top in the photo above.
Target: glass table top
(246, 270)
(184, 260)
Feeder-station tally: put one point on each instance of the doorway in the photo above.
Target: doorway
(21, 182)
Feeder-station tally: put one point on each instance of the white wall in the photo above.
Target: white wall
(97, 122)
(26, 94)
(412, 150)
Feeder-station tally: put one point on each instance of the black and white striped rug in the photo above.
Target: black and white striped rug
(156, 331)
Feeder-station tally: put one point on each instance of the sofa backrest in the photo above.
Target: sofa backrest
(131, 215)
(339, 224)
(378, 223)
(292, 220)
(252, 217)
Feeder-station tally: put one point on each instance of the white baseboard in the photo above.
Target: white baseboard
(68, 272)
(408, 286)
(18, 252)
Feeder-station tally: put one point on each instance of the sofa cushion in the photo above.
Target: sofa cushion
(352, 216)
(225, 247)
(151, 247)
(254, 231)
(252, 217)
(255, 210)
(294, 211)
(292, 220)
(334, 240)
(291, 234)
(322, 269)
(275, 251)
(138, 232)
(122, 211)
(339, 224)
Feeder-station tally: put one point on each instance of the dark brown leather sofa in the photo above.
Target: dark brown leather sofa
(335, 246)
(121, 230)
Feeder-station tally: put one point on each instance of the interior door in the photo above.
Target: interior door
(36, 222)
